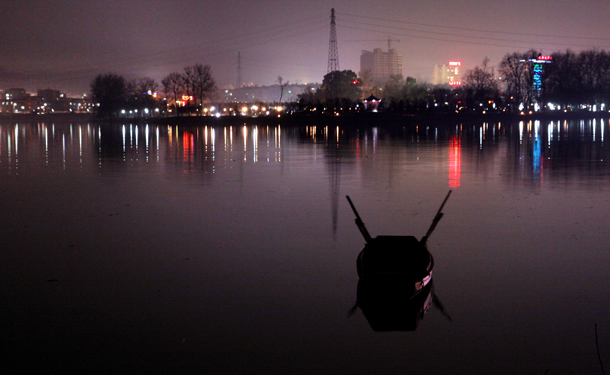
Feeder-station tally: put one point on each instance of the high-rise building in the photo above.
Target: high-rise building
(447, 74)
(382, 65)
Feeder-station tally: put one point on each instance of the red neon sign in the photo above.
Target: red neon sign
(545, 57)
(455, 63)
(455, 83)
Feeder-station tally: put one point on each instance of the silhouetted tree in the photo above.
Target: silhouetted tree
(141, 96)
(562, 79)
(341, 84)
(282, 86)
(481, 83)
(517, 73)
(369, 85)
(403, 95)
(109, 91)
(200, 82)
(172, 87)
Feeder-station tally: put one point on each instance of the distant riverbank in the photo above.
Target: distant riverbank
(353, 120)
(376, 119)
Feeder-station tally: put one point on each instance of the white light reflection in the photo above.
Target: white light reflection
(279, 143)
(224, 138)
(46, 145)
(245, 141)
(80, 143)
(230, 138)
(375, 139)
(16, 145)
(99, 135)
(9, 152)
(213, 137)
(337, 137)
(255, 143)
(268, 138)
(205, 138)
(63, 145)
(520, 132)
(146, 134)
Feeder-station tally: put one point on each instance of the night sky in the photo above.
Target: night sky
(63, 45)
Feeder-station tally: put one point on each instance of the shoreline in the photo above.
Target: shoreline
(383, 119)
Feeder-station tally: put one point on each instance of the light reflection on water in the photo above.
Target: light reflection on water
(539, 149)
(235, 244)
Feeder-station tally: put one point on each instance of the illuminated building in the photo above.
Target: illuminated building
(49, 94)
(447, 74)
(15, 94)
(536, 66)
(382, 65)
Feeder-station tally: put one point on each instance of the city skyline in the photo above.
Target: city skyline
(63, 47)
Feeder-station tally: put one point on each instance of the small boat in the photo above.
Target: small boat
(387, 306)
(403, 259)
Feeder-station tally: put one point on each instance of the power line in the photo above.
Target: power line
(475, 30)
(449, 40)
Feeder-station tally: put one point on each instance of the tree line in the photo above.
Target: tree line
(186, 91)
(568, 80)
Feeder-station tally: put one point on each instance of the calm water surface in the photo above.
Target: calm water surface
(163, 249)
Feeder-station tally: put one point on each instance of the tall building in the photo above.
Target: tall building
(447, 74)
(382, 65)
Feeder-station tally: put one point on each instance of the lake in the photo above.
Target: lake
(144, 249)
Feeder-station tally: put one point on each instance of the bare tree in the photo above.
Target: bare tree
(202, 83)
(172, 85)
(146, 88)
(187, 83)
(481, 80)
(282, 86)
(513, 70)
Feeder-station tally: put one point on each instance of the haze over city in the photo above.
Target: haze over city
(63, 45)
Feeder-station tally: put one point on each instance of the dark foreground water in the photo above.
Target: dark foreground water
(158, 249)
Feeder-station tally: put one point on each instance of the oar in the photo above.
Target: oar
(435, 221)
(359, 223)
(437, 303)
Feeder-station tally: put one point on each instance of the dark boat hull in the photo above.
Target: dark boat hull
(388, 306)
(401, 259)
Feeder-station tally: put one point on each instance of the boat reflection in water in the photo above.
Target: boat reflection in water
(395, 288)
(388, 306)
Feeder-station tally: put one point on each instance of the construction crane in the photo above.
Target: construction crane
(390, 42)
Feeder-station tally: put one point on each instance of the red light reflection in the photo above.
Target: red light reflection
(455, 162)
